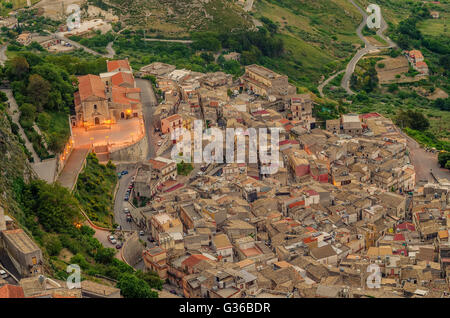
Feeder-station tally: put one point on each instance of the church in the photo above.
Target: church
(108, 98)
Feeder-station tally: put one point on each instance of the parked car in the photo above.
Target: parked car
(126, 210)
(3, 274)
(159, 143)
(164, 136)
(126, 198)
(119, 246)
(124, 172)
(112, 239)
(141, 233)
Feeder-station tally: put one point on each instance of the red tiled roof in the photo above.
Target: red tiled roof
(261, 112)
(252, 251)
(406, 226)
(119, 95)
(421, 64)
(175, 187)
(288, 127)
(288, 141)
(116, 64)
(312, 192)
(399, 237)
(309, 239)
(369, 115)
(122, 77)
(298, 203)
(194, 260)
(91, 85)
(157, 165)
(11, 291)
(416, 54)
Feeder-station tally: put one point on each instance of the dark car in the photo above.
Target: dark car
(124, 172)
(119, 246)
(173, 292)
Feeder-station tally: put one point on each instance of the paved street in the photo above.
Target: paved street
(119, 204)
(69, 175)
(423, 161)
(149, 102)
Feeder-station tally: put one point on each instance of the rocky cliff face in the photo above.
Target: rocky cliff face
(14, 166)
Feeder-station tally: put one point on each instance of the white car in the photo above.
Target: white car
(164, 136)
(112, 239)
(3, 274)
(159, 143)
(126, 210)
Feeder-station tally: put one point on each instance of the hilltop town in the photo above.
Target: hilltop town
(345, 197)
(353, 206)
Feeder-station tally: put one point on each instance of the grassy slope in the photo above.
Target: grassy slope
(178, 18)
(318, 35)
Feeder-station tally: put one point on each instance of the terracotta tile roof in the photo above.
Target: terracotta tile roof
(194, 260)
(116, 64)
(119, 96)
(399, 237)
(157, 165)
(11, 291)
(421, 64)
(91, 85)
(173, 118)
(121, 78)
(416, 54)
(252, 251)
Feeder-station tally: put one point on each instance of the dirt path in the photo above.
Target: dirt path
(13, 111)
(325, 83)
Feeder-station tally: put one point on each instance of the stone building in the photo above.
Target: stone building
(108, 98)
(265, 82)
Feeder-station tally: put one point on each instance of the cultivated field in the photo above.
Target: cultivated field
(392, 68)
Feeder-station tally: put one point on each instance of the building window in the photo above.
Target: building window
(95, 107)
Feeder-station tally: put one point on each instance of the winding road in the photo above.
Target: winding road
(368, 48)
(328, 80)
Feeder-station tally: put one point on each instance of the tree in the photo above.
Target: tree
(105, 255)
(28, 112)
(442, 104)
(444, 159)
(412, 119)
(151, 278)
(132, 287)
(53, 245)
(53, 206)
(38, 90)
(44, 121)
(19, 67)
